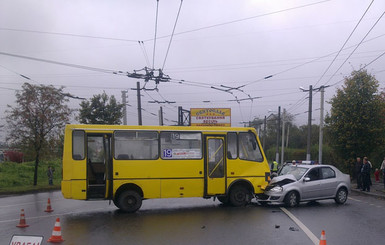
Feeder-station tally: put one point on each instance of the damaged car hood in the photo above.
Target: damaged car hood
(283, 179)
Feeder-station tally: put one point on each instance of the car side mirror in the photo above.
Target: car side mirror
(306, 179)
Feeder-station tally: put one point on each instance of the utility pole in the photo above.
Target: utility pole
(124, 102)
(309, 123)
(264, 133)
(139, 103)
(321, 124)
(161, 116)
(283, 137)
(278, 127)
(309, 120)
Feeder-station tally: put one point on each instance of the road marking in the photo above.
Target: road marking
(354, 199)
(312, 237)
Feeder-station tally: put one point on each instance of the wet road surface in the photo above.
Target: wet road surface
(193, 221)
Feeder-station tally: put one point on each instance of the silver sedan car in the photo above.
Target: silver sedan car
(301, 183)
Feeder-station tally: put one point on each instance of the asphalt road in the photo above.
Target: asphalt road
(195, 221)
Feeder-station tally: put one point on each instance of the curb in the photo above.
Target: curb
(372, 193)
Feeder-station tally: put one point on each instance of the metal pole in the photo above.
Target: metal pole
(283, 137)
(278, 127)
(161, 116)
(309, 123)
(321, 124)
(139, 103)
(124, 102)
(264, 133)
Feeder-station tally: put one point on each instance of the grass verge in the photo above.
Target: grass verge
(17, 178)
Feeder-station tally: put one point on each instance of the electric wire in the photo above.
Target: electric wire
(243, 19)
(156, 28)
(67, 34)
(60, 63)
(343, 63)
(143, 48)
(351, 34)
(371, 62)
(172, 34)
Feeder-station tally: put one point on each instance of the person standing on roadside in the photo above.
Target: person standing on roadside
(365, 172)
(383, 170)
(50, 175)
(358, 167)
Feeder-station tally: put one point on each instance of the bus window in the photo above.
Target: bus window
(78, 145)
(232, 150)
(216, 161)
(95, 149)
(248, 147)
(136, 145)
(181, 145)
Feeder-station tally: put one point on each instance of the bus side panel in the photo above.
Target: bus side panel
(150, 187)
(171, 188)
(159, 169)
(257, 182)
(74, 189)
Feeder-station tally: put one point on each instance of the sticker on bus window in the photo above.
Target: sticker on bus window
(167, 153)
(182, 153)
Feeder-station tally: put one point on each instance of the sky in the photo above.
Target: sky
(248, 55)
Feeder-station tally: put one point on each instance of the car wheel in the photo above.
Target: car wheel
(341, 196)
(291, 199)
(239, 196)
(129, 201)
(223, 199)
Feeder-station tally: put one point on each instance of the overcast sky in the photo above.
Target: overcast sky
(216, 43)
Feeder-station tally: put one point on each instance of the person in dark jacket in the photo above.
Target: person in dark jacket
(358, 167)
(366, 175)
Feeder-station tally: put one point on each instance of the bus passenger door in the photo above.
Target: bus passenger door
(98, 165)
(215, 165)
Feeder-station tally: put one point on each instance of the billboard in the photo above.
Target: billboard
(220, 117)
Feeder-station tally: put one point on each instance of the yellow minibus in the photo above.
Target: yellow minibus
(128, 164)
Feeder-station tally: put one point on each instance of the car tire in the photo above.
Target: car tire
(291, 199)
(239, 196)
(341, 196)
(129, 201)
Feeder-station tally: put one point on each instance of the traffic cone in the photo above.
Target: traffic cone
(49, 209)
(322, 240)
(22, 223)
(56, 233)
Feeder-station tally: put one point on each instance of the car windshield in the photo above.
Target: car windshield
(298, 172)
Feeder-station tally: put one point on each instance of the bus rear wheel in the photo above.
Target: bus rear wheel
(129, 201)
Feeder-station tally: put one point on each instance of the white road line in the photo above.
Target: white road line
(354, 199)
(312, 237)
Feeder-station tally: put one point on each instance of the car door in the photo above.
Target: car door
(312, 188)
(329, 181)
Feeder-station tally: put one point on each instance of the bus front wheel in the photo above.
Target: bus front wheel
(239, 196)
(129, 201)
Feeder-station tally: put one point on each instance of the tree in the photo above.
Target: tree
(38, 118)
(101, 109)
(355, 125)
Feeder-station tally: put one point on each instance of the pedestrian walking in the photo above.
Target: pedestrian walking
(365, 173)
(382, 168)
(50, 171)
(358, 167)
